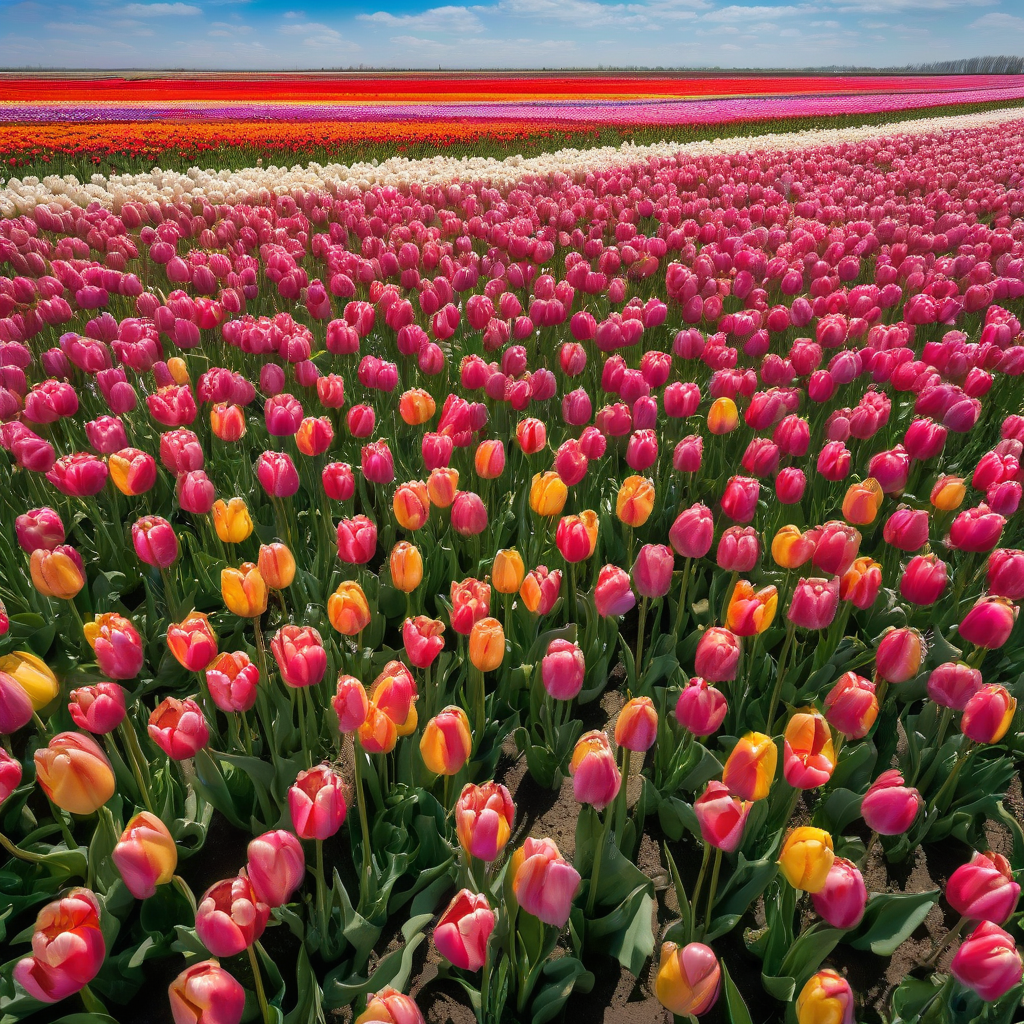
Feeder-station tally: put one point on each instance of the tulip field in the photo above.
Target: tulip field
(576, 587)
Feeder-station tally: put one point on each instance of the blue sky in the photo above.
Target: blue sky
(261, 34)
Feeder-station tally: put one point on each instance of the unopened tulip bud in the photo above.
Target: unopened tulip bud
(688, 979)
(636, 728)
(146, 855)
(750, 768)
(718, 655)
(178, 728)
(595, 775)
(899, 655)
(316, 803)
(544, 883)
(721, 816)
(924, 580)
(276, 565)
(987, 962)
(814, 602)
(861, 582)
(635, 501)
(446, 742)
(484, 816)
(862, 502)
(205, 993)
(232, 680)
(791, 548)
(693, 532)
(889, 807)
(841, 901)
(984, 889)
(809, 757)
(751, 612)
(701, 708)
(826, 999)
(989, 623)
(806, 858)
(953, 683)
(463, 930)
(507, 571)
(230, 916)
(851, 706)
(613, 595)
(389, 1006)
(74, 773)
(988, 714)
(276, 866)
(98, 709)
(231, 520)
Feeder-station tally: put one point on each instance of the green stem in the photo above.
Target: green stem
(950, 783)
(261, 995)
(25, 855)
(485, 984)
(681, 608)
(246, 734)
(133, 761)
(945, 941)
(700, 881)
(780, 675)
(364, 880)
(182, 886)
(713, 890)
(479, 706)
(598, 854)
(639, 666)
(620, 799)
(321, 885)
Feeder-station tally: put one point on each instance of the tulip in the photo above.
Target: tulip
(406, 566)
(988, 714)
(228, 422)
(231, 520)
(701, 708)
(205, 993)
(636, 727)
(834, 461)
(984, 889)
(484, 816)
(693, 532)
(751, 612)
(471, 601)
(416, 407)
(338, 482)
(723, 417)
(806, 858)
(357, 540)
(976, 530)
(899, 655)
(195, 492)
(277, 474)
(989, 623)
(576, 536)
(446, 742)
(790, 484)
(489, 459)
(809, 757)
(987, 962)
(718, 655)
(953, 683)
(652, 570)
(540, 590)
(791, 548)
(486, 644)
(570, 462)
(889, 807)
(841, 901)
(377, 463)
(348, 609)
(469, 515)
(924, 580)
(275, 866)
(178, 728)
(739, 502)
(74, 773)
(861, 583)
(133, 471)
(351, 703)
(531, 434)
(891, 469)
(80, 475)
(507, 571)
(299, 651)
(548, 494)
(595, 775)
(906, 529)
(411, 505)
(1005, 576)
(851, 706)
(948, 493)
(316, 803)
(613, 595)
(230, 916)
(688, 454)
(15, 705)
(544, 882)
(232, 679)
(192, 641)
(688, 979)
(276, 565)
(243, 590)
(67, 948)
(423, 638)
(463, 930)
(738, 549)
(39, 528)
(826, 999)
(635, 501)
(58, 573)
(837, 548)
(814, 603)
(389, 1006)
(722, 817)
(750, 767)
(98, 709)
(146, 855)
(116, 644)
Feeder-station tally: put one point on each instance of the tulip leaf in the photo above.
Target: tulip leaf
(561, 978)
(86, 1018)
(632, 944)
(889, 918)
(735, 1004)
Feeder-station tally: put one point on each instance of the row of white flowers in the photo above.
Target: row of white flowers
(23, 195)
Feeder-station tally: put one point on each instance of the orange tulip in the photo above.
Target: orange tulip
(635, 501)
(348, 609)
(411, 504)
(487, 644)
(862, 502)
(406, 566)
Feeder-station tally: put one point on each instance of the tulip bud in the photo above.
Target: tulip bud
(146, 855)
(471, 601)
(718, 655)
(806, 858)
(484, 816)
(738, 549)
(243, 590)
(423, 639)
(58, 573)
(39, 528)
(809, 757)
(984, 889)
(751, 612)
(540, 590)
(989, 623)
(701, 708)
(463, 930)
(276, 565)
(98, 709)
(544, 883)
(976, 530)
(750, 767)
(988, 714)
(406, 566)
(389, 1006)
(688, 979)
(636, 727)
(486, 644)
(230, 916)
(693, 532)
(576, 536)
(899, 655)
(178, 728)
(446, 742)
(316, 803)
(889, 806)
(74, 773)
(723, 416)
(613, 595)
(652, 570)
(739, 502)
(791, 548)
(507, 571)
(836, 549)
(851, 706)
(205, 993)
(826, 999)
(948, 493)
(924, 580)
(841, 901)
(548, 494)
(232, 680)
(192, 642)
(231, 520)
(276, 866)
(953, 683)
(814, 603)
(987, 962)
(595, 775)
(635, 501)
(721, 816)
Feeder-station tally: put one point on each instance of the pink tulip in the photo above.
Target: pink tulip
(842, 901)
(984, 889)
(275, 866)
(721, 816)
(463, 930)
(230, 916)
(889, 807)
(701, 708)
(987, 962)
(544, 883)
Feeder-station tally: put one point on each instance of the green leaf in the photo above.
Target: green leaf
(735, 1005)
(561, 978)
(890, 918)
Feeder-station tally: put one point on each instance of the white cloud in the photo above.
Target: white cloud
(299, 28)
(161, 10)
(1000, 22)
(736, 13)
(435, 19)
